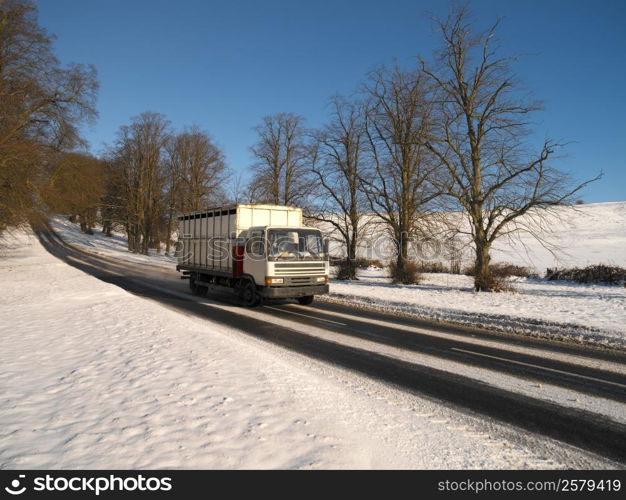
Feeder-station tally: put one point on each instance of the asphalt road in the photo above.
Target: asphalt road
(344, 325)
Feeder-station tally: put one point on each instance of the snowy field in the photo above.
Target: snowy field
(577, 236)
(94, 377)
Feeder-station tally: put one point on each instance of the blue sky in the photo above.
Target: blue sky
(223, 65)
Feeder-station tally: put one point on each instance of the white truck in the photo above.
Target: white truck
(256, 251)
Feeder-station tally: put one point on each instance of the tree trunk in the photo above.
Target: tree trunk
(91, 220)
(85, 224)
(133, 238)
(156, 243)
(351, 260)
(403, 254)
(168, 233)
(483, 281)
(106, 227)
(401, 272)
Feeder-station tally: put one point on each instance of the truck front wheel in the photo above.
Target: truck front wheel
(305, 301)
(249, 295)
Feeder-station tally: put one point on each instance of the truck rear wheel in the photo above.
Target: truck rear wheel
(306, 300)
(197, 289)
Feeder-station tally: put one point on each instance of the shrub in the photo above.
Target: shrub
(409, 275)
(432, 267)
(470, 270)
(500, 284)
(344, 272)
(333, 260)
(497, 284)
(360, 262)
(502, 270)
(363, 263)
(506, 270)
(599, 273)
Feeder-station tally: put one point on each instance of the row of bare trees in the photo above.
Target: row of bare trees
(449, 134)
(156, 174)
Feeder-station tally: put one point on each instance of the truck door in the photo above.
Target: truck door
(255, 259)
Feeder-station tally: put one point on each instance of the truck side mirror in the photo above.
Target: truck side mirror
(326, 247)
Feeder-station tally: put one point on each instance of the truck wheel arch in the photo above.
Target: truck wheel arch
(246, 277)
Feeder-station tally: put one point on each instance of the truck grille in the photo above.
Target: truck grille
(299, 269)
(299, 281)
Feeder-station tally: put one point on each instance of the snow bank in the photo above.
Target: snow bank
(581, 313)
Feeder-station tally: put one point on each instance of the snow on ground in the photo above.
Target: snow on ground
(108, 246)
(94, 377)
(576, 312)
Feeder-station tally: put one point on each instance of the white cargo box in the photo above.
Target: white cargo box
(207, 237)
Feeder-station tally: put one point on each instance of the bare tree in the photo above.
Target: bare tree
(138, 154)
(480, 139)
(173, 193)
(201, 167)
(237, 191)
(337, 160)
(113, 202)
(195, 174)
(280, 173)
(41, 107)
(399, 184)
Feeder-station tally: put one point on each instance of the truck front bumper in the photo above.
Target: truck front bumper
(288, 292)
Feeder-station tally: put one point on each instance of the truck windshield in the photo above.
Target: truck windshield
(295, 244)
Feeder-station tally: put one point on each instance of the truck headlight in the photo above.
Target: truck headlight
(274, 281)
(322, 279)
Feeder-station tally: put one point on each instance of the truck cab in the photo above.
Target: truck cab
(286, 261)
